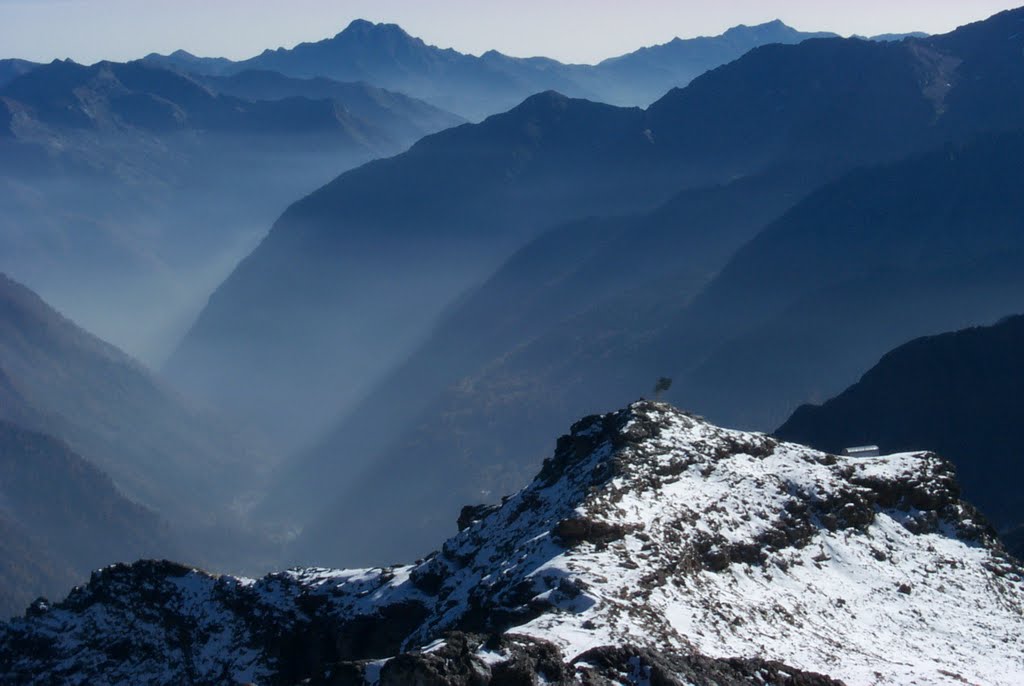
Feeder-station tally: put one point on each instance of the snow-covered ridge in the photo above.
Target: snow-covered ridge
(651, 540)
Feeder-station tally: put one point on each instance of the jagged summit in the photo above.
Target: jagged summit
(651, 540)
(771, 28)
(364, 26)
(357, 32)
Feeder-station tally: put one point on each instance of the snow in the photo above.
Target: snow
(829, 606)
(726, 543)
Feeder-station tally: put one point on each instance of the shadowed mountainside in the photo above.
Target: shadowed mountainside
(319, 307)
(61, 518)
(592, 264)
(475, 87)
(60, 380)
(817, 109)
(405, 119)
(11, 69)
(872, 260)
(955, 393)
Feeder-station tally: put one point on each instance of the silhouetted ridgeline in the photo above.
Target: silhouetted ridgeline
(60, 380)
(955, 393)
(143, 187)
(61, 518)
(475, 87)
(389, 246)
(650, 543)
(796, 313)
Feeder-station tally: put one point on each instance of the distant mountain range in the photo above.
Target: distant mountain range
(173, 178)
(355, 273)
(123, 185)
(481, 252)
(749, 344)
(399, 117)
(111, 97)
(793, 116)
(444, 215)
(475, 87)
(957, 393)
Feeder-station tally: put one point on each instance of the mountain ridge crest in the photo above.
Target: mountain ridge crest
(640, 532)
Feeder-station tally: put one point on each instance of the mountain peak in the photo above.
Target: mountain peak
(649, 529)
(539, 104)
(364, 27)
(547, 97)
(767, 30)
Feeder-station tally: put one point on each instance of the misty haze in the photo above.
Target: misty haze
(365, 360)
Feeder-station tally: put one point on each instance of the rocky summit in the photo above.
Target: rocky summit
(652, 548)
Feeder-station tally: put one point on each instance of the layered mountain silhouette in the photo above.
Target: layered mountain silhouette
(59, 380)
(484, 249)
(901, 269)
(611, 352)
(130, 184)
(61, 518)
(813, 110)
(443, 215)
(11, 69)
(957, 393)
(645, 75)
(475, 87)
(114, 96)
(564, 275)
(885, 255)
(404, 119)
(351, 277)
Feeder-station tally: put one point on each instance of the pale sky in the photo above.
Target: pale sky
(568, 30)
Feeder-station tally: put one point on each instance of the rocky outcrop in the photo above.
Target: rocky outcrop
(653, 547)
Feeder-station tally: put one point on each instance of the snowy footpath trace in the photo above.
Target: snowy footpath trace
(653, 547)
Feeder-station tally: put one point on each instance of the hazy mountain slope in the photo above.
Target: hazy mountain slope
(69, 384)
(872, 260)
(840, 102)
(643, 76)
(872, 97)
(184, 61)
(443, 215)
(110, 95)
(62, 518)
(128, 192)
(987, 88)
(652, 543)
(788, 360)
(351, 277)
(388, 57)
(405, 119)
(557, 277)
(924, 246)
(475, 87)
(909, 253)
(955, 393)
(11, 69)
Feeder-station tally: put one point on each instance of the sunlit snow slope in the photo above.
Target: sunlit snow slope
(663, 541)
